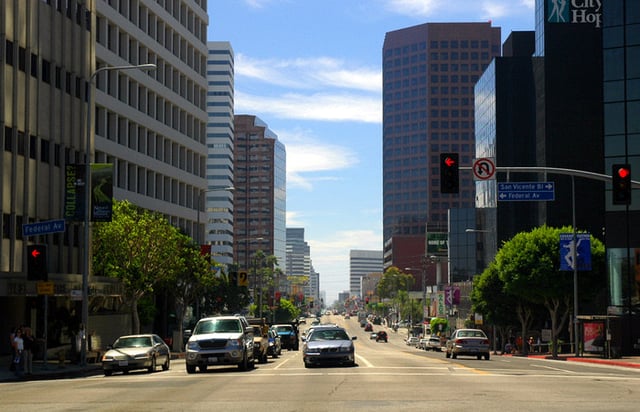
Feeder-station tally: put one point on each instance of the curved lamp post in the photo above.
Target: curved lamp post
(87, 201)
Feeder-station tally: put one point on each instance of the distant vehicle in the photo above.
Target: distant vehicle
(220, 340)
(368, 327)
(373, 335)
(288, 336)
(382, 336)
(433, 343)
(136, 352)
(470, 342)
(412, 341)
(328, 345)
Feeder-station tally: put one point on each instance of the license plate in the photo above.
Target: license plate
(213, 360)
(123, 363)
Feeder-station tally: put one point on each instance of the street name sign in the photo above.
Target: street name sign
(526, 191)
(43, 228)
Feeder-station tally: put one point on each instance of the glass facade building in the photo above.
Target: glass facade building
(621, 55)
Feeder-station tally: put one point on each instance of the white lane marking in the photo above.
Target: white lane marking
(366, 362)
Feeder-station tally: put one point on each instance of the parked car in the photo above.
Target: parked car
(368, 327)
(470, 342)
(275, 345)
(220, 340)
(328, 345)
(433, 343)
(136, 352)
(412, 341)
(382, 336)
(373, 335)
(260, 344)
(422, 343)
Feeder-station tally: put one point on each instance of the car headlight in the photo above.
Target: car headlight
(312, 350)
(193, 345)
(346, 348)
(236, 343)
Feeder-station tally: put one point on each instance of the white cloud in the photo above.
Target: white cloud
(316, 106)
(491, 9)
(307, 155)
(309, 73)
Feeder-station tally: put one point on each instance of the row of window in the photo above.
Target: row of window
(129, 48)
(140, 15)
(72, 10)
(410, 62)
(441, 44)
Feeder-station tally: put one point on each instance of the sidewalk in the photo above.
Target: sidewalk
(626, 362)
(50, 370)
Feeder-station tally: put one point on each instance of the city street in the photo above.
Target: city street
(389, 376)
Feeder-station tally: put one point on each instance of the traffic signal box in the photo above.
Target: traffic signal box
(37, 263)
(621, 184)
(449, 173)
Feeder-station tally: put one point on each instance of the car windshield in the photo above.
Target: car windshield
(133, 342)
(284, 328)
(217, 325)
(330, 334)
(471, 334)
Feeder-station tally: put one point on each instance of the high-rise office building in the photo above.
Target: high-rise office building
(362, 263)
(259, 214)
(298, 265)
(429, 73)
(218, 196)
(621, 41)
(150, 125)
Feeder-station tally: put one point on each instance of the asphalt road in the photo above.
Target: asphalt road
(390, 377)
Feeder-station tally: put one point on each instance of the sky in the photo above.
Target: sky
(312, 71)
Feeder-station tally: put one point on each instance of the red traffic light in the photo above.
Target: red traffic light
(449, 161)
(623, 172)
(621, 184)
(35, 253)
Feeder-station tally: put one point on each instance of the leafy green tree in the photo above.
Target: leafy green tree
(500, 308)
(139, 248)
(529, 264)
(191, 278)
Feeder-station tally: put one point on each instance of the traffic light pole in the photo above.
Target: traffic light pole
(573, 173)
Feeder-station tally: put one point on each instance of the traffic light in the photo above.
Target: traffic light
(37, 262)
(449, 173)
(621, 183)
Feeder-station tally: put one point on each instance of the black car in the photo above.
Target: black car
(382, 336)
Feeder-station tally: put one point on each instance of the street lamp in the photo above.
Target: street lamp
(87, 202)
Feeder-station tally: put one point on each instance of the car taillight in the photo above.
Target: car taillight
(460, 341)
(485, 342)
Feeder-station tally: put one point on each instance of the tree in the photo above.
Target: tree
(190, 279)
(500, 308)
(139, 248)
(528, 264)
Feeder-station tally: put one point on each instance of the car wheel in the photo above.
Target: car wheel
(191, 368)
(152, 368)
(454, 355)
(479, 357)
(165, 366)
(108, 372)
(447, 354)
(487, 356)
(307, 365)
(244, 364)
(203, 368)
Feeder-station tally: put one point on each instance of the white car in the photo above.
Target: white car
(433, 343)
(412, 341)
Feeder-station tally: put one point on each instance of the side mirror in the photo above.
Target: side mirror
(354, 338)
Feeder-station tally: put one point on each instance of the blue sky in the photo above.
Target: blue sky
(311, 69)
